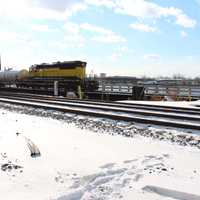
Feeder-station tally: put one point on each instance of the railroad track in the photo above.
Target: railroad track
(158, 115)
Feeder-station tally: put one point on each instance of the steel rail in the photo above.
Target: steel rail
(103, 114)
(172, 109)
(106, 108)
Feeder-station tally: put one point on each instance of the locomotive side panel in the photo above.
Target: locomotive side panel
(77, 72)
(71, 69)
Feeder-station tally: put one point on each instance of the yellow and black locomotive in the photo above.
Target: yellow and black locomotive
(59, 70)
(70, 76)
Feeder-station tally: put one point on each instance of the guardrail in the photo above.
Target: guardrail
(182, 91)
(162, 90)
(116, 88)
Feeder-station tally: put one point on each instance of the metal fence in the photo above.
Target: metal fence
(179, 91)
(116, 88)
(182, 91)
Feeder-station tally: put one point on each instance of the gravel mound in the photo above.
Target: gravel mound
(113, 127)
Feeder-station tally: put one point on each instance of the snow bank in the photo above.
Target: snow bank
(186, 104)
(171, 193)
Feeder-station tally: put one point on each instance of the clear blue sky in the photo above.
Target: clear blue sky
(118, 37)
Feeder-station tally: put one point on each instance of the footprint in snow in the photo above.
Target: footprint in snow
(129, 161)
(137, 177)
(108, 166)
(151, 158)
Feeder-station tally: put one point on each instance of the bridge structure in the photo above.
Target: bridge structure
(176, 92)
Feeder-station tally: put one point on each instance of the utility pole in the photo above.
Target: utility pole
(0, 62)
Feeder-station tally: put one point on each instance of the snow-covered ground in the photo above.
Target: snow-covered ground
(187, 104)
(81, 164)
